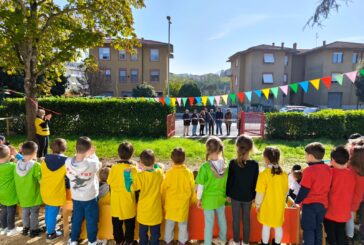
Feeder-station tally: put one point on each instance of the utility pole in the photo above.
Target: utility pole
(169, 52)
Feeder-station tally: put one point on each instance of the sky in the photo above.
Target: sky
(206, 32)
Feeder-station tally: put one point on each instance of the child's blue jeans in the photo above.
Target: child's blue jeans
(88, 210)
(209, 216)
(155, 233)
(51, 213)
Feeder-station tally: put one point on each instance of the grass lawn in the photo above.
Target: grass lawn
(106, 148)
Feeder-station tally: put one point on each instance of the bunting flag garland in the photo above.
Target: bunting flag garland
(184, 101)
(168, 100)
(204, 100)
(284, 89)
(248, 95)
(225, 98)
(179, 101)
(362, 72)
(315, 83)
(265, 91)
(198, 100)
(327, 81)
(275, 92)
(233, 98)
(294, 87)
(157, 100)
(217, 98)
(191, 100)
(340, 78)
(161, 99)
(173, 101)
(258, 93)
(211, 100)
(352, 75)
(304, 86)
(241, 97)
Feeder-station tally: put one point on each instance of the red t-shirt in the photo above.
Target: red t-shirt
(358, 192)
(341, 195)
(317, 178)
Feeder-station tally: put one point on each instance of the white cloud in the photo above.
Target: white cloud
(238, 22)
(358, 39)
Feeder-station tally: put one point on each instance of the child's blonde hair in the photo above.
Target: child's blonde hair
(273, 154)
(213, 145)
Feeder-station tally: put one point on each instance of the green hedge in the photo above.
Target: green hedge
(90, 116)
(333, 124)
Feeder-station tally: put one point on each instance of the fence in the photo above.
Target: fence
(252, 123)
(171, 125)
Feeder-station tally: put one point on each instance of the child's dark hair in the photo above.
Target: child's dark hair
(213, 145)
(357, 160)
(297, 174)
(178, 155)
(59, 146)
(29, 148)
(147, 158)
(354, 136)
(315, 149)
(104, 174)
(83, 144)
(125, 150)
(244, 145)
(340, 155)
(4, 151)
(296, 167)
(273, 155)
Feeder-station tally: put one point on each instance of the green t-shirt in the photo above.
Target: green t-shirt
(214, 189)
(27, 187)
(7, 186)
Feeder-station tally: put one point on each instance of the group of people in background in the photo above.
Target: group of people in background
(207, 120)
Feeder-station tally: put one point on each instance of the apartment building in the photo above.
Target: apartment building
(270, 66)
(123, 71)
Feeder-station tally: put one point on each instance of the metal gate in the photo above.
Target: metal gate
(171, 125)
(252, 123)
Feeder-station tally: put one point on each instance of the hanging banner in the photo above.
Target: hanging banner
(327, 81)
(161, 99)
(157, 99)
(284, 89)
(304, 86)
(225, 98)
(198, 100)
(184, 101)
(339, 78)
(233, 98)
(266, 92)
(168, 100)
(204, 100)
(294, 87)
(352, 75)
(248, 95)
(315, 83)
(258, 92)
(241, 97)
(211, 100)
(217, 98)
(275, 92)
(173, 101)
(362, 72)
(191, 100)
(179, 101)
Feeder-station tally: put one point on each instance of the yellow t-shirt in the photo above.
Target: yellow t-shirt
(53, 186)
(149, 210)
(178, 192)
(275, 189)
(122, 202)
(40, 128)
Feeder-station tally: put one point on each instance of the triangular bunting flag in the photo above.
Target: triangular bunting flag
(173, 102)
(156, 99)
(217, 98)
(327, 81)
(266, 92)
(211, 100)
(248, 95)
(233, 98)
(168, 100)
(241, 97)
(339, 78)
(362, 72)
(304, 86)
(191, 100)
(225, 98)
(352, 75)
(274, 91)
(198, 100)
(161, 99)
(315, 83)
(258, 92)
(184, 101)
(179, 100)
(294, 87)
(204, 100)
(284, 89)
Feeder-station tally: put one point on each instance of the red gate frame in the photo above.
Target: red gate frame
(171, 125)
(242, 122)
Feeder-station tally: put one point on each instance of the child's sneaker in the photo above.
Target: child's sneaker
(34, 233)
(100, 242)
(71, 243)
(231, 242)
(217, 241)
(25, 231)
(3, 232)
(53, 236)
(14, 231)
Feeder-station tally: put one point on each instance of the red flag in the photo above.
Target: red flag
(191, 99)
(161, 99)
(241, 97)
(327, 81)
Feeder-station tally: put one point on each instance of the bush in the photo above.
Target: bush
(86, 116)
(327, 124)
(354, 122)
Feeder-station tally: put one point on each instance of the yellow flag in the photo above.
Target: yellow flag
(204, 100)
(225, 98)
(266, 92)
(315, 83)
(173, 101)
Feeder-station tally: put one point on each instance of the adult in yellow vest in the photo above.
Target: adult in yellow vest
(42, 132)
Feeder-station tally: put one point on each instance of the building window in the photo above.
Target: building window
(104, 53)
(107, 74)
(333, 77)
(154, 76)
(134, 57)
(122, 75)
(355, 58)
(285, 60)
(134, 75)
(154, 54)
(237, 63)
(268, 58)
(267, 77)
(285, 78)
(337, 57)
(122, 54)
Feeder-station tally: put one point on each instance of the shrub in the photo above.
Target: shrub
(90, 116)
(354, 122)
(327, 124)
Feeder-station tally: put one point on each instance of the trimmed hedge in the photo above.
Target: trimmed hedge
(332, 124)
(90, 116)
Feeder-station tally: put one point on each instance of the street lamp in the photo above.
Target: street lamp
(169, 52)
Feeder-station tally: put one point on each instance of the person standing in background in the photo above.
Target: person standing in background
(42, 132)
(228, 122)
(202, 122)
(206, 121)
(186, 122)
(211, 121)
(194, 122)
(219, 118)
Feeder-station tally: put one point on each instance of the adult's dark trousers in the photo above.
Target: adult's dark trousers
(211, 128)
(155, 233)
(119, 235)
(218, 127)
(7, 217)
(335, 232)
(202, 127)
(239, 208)
(42, 145)
(311, 222)
(361, 218)
(228, 128)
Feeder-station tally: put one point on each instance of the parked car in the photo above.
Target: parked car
(296, 108)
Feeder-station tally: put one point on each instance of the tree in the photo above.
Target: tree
(189, 89)
(323, 10)
(359, 85)
(38, 36)
(144, 90)
(175, 86)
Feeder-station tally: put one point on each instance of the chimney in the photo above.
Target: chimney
(324, 43)
(273, 44)
(282, 45)
(295, 46)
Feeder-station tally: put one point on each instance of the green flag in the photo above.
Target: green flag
(274, 91)
(362, 72)
(294, 87)
(233, 98)
(184, 101)
(340, 78)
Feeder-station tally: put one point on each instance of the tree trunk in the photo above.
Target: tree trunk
(31, 106)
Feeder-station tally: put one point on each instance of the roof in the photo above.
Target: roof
(337, 45)
(143, 41)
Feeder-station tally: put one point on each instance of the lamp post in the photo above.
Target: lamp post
(169, 52)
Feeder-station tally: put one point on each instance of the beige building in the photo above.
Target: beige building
(270, 66)
(122, 71)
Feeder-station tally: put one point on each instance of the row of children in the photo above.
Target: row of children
(325, 193)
